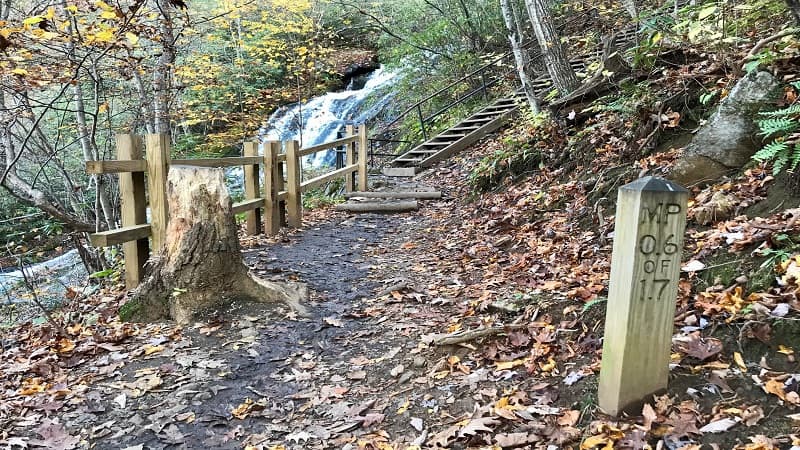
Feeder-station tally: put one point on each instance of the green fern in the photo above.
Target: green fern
(781, 126)
(795, 159)
(782, 145)
(771, 151)
(791, 110)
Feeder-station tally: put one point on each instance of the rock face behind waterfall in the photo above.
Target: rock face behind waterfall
(729, 138)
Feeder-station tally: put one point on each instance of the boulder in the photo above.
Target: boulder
(729, 138)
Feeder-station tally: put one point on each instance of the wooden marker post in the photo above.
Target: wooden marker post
(645, 265)
(273, 184)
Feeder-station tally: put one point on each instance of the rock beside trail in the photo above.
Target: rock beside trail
(729, 138)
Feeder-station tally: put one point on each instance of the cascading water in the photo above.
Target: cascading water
(319, 119)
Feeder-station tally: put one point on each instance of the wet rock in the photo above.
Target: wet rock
(729, 138)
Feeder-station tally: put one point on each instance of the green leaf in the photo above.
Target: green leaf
(102, 273)
(706, 12)
(751, 66)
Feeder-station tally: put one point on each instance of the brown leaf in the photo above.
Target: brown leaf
(515, 439)
(649, 415)
(699, 347)
(54, 437)
(752, 415)
(370, 419)
(476, 425)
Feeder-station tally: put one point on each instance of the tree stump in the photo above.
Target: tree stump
(200, 265)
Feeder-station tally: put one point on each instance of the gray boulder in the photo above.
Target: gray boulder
(729, 138)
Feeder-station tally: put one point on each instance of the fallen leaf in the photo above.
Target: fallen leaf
(719, 426)
(649, 415)
(476, 425)
(54, 436)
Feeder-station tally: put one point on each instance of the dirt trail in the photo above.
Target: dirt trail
(310, 381)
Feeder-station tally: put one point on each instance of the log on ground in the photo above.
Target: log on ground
(422, 195)
(200, 265)
(379, 206)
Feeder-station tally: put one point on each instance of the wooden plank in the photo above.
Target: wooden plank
(233, 161)
(252, 189)
(248, 206)
(399, 206)
(273, 183)
(157, 170)
(322, 179)
(645, 267)
(120, 235)
(326, 146)
(121, 166)
(399, 171)
(390, 194)
(294, 204)
(283, 195)
(363, 143)
(133, 208)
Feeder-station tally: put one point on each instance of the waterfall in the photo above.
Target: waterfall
(322, 117)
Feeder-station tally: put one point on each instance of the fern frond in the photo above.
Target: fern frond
(790, 110)
(796, 85)
(770, 127)
(771, 151)
(795, 159)
(780, 163)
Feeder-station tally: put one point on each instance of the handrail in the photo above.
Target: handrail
(449, 86)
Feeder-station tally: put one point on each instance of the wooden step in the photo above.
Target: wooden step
(396, 194)
(407, 160)
(450, 136)
(400, 171)
(379, 206)
(463, 128)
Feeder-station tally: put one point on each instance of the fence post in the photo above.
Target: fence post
(252, 189)
(294, 203)
(422, 123)
(157, 153)
(273, 184)
(133, 209)
(349, 185)
(363, 142)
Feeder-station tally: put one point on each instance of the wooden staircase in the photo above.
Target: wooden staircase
(489, 118)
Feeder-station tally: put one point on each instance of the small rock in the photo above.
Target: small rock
(742, 279)
(420, 362)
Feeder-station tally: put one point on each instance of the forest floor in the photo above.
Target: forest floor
(514, 283)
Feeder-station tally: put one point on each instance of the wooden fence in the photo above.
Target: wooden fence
(279, 203)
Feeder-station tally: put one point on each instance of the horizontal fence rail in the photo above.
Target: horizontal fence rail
(278, 204)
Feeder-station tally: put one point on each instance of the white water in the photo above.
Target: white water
(68, 268)
(322, 117)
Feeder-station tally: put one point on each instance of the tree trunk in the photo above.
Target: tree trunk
(561, 73)
(162, 73)
(519, 56)
(200, 265)
(794, 7)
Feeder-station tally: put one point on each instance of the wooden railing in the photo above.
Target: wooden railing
(278, 204)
